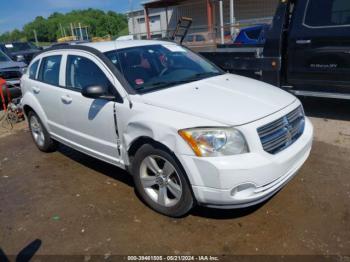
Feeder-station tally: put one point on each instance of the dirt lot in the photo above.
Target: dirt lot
(76, 205)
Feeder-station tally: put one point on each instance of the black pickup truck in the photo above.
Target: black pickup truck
(307, 50)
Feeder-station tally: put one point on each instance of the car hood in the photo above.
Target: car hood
(12, 65)
(25, 52)
(227, 99)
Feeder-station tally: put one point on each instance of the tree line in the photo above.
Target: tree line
(49, 29)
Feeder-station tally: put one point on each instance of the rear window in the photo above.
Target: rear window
(253, 34)
(50, 70)
(200, 38)
(33, 69)
(327, 13)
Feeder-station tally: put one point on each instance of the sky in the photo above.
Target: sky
(16, 13)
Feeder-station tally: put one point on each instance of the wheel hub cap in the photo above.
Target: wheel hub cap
(37, 131)
(160, 181)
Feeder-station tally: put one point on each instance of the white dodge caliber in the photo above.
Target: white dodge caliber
(187, 132)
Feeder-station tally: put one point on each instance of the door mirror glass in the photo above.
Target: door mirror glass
(96, 91)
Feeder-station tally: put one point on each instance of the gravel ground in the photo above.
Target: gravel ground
(72, 204)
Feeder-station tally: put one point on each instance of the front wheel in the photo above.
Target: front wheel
(161, 182)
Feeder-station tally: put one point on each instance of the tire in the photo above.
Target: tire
(161, 183)
(40, 135)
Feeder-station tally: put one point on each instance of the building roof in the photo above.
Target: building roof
(161, 3)
(120, 44)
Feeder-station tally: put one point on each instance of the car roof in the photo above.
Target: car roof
(121, 44)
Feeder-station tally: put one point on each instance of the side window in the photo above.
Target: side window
(189, 38)
(82, 72)
(327, 13)
(50, 70)
(254, 34)
(33, 69)
(200, 38)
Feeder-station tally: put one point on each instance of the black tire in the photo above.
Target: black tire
(185, 202)
(48, 144)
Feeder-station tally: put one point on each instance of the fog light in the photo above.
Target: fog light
(243, 190)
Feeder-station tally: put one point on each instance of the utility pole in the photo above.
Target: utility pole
(232, 17)
(131, 10)
(36, 37)
(222, 36)
(61, 30)
(81, 32)
(71, 27)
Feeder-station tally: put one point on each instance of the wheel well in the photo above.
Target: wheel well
(139, 142)
(27, 109)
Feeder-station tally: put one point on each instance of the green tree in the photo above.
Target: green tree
(49, 29)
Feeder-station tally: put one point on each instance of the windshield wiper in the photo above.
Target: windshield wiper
(200, 76)
(152, 85)
(162, 84)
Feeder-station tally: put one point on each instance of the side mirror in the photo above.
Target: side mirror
(96, 92)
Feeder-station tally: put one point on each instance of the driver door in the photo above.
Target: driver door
(89, 123)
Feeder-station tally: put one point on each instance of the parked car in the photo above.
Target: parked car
(20, 51)
(188, 132)
(197, 39)
(10, 70)
(253, 35)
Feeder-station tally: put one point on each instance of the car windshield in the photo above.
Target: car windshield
(16, 47)
(3, 57)
(153, 67)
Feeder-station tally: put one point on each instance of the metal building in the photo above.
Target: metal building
(158, 18)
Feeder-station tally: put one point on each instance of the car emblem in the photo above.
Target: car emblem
(288, 128)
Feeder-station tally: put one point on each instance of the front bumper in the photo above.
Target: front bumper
(248, 179)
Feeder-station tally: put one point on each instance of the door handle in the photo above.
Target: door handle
(66, 99)
(36, 90)
(303, 41)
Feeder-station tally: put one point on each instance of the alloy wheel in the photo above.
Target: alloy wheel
(160, 181)
(37, 131)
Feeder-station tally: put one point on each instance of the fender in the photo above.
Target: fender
(161, 126)
(30, 100)
(161, 134)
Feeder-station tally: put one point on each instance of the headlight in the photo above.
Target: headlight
(209, 142)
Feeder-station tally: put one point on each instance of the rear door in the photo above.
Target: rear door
(46, 88)
(319, 46)
(89, 122)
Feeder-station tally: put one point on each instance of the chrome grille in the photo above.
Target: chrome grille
(281, 133)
